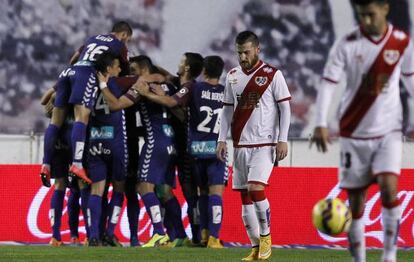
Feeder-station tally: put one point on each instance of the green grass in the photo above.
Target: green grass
(45, 253)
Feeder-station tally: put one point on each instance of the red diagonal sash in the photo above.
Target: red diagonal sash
(372, 84)
(249, 99)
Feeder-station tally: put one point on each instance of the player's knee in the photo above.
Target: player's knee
(216, 190)
(245, 198)
(98, 188)
(253, 186)
(389, 197)
(119, 186)
(144, 188)
(60, 184)
(164, 193)
(257, 196)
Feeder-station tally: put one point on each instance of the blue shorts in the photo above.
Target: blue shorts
(209, 172)
(107, 159)
(156, 163)
(79, 87)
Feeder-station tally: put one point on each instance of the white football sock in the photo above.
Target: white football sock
(356, 240)
(251, 223)
(262, 209)
(390, 225)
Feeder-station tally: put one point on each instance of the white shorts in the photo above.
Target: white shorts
(362, 160)
(253, 164)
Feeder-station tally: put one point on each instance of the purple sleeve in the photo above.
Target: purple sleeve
(183, 95)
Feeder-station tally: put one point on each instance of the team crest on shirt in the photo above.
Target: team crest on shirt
(391, 56)
(261, 80)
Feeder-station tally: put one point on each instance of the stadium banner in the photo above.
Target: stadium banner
(292, 193)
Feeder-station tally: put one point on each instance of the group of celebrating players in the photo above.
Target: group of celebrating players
(186, 124)
(93, 141)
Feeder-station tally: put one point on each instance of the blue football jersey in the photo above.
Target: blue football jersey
(98, 44)
(206, 103)
(156, 119)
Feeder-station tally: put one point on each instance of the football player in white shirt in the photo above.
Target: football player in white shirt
(373, 57)
(257, 110)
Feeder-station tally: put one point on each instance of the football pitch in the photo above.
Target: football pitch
(46, 253)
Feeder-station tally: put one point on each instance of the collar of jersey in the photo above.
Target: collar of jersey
(83, 63)
(248, 72)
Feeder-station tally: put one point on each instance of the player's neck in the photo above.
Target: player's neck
(379, 34)
(184, 78)
(211, 81)
(382, 31)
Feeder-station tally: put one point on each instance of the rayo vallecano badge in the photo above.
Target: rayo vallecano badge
(260, 80)
(391, 56)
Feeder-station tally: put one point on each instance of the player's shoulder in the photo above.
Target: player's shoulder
(351, 36)
(399, 34)
(268, 69)
(234, 71)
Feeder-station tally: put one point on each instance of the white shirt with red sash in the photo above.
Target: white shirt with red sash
(254, 96)
(370, 106)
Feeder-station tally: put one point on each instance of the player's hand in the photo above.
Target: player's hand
(103, 78)
(48, 106)
(281, 150)
(321, 138)
(221, 151)
(157, 89)
(142, 88)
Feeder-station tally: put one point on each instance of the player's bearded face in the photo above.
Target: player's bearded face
(373, 18)
(248, 55)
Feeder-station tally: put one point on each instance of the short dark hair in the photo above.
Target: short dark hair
(247, 36)
(195, 62)
(104, 60)
(122, 26)
(144, 61)
(213, 66)
(367, 2)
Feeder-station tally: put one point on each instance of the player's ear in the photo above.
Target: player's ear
(387, 8)
(186, 68)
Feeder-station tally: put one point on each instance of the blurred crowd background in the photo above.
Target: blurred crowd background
(38, 37)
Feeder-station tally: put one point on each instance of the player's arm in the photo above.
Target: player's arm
(153, 78)
(226, 117)
(282, 97)
(407, 69)
(284, 123)
(47, 101)
(143, 89)
(124, 62)
(75, 56)
(113, 102)
(333, 70)
(321, 132)
(47, 96)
